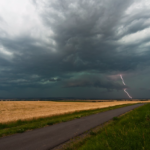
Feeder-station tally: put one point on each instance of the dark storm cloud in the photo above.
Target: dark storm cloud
(54, 79)
(145, 89)
(93, 81)
(85, 38)
(82, 34)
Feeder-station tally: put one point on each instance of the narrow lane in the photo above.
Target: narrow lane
(52, 136)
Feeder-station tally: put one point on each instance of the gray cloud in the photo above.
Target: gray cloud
(54, 79)
(81, 36)
(93, 81)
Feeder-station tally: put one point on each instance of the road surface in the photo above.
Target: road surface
(51, 136)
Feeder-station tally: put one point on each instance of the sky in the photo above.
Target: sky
(74, 48)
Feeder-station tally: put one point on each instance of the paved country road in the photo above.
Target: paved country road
(51, 136)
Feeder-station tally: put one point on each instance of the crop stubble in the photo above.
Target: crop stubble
(25, 110)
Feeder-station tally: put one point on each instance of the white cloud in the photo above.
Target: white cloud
(2, 50)
(21, 17)
(138, 5)
(135, 37)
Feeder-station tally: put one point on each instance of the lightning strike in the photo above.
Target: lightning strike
(125, 88)
(122, 79)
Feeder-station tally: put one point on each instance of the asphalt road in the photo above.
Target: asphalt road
(51, 136)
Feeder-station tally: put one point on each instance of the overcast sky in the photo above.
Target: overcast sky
(74, 48)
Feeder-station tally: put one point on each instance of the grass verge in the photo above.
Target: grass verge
(22, 126)
(128, 132)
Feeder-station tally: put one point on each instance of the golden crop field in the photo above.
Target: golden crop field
(15, 110)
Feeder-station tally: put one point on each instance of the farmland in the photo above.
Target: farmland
(26, 110)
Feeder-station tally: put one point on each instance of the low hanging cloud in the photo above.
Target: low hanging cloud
(93, 81)
(54, 79)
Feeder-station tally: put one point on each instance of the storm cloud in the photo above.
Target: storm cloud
(77, 43)
(94, 81)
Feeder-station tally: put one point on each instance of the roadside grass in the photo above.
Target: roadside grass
(24, 125)
(128, 132)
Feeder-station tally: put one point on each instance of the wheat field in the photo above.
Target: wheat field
(24, 110)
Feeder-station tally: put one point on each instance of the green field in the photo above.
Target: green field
(128, 132)
(22, 126)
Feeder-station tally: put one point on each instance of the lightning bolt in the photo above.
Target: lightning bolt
(125, 88)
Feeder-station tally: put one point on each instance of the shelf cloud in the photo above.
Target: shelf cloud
(78, 43)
